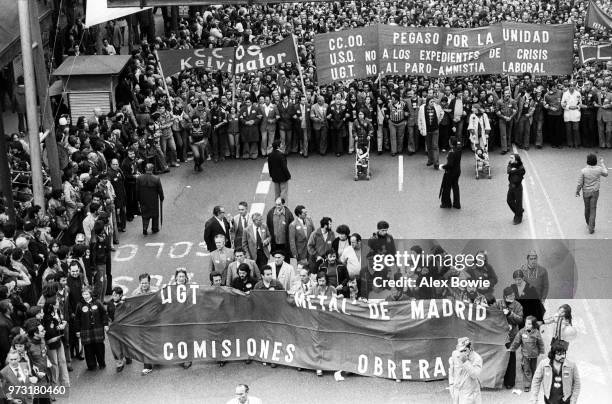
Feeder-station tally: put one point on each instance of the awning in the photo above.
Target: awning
(92, 65)
(57, 88)
(98, 12)
(10, 45)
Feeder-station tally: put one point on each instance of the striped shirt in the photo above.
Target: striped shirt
(398, 112)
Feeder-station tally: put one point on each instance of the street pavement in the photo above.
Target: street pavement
(402, 191)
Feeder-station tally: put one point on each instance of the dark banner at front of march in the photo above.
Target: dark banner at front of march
(346, 55)
(242, 59)
(438, 51)
(398, 340)
(539, 49)
(596, 18)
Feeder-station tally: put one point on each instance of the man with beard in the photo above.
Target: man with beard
(514, 315)
(381, 243)
(536, 275)
(557, 376)
(319, 242)
(244, 282)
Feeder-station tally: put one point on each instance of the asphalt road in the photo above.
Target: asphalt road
(325, 186)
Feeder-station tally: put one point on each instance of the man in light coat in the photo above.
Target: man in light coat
(283, 272)
(559, 369)
(430, 116)
(464, 373)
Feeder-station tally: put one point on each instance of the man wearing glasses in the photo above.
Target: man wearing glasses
(557, 376)
(464, 373)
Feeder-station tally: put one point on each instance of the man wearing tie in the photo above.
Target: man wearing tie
(221, 257)
(302, 117)
(256, 241)
(318, 115)
(268, 125)
(240, 223)
(16, 374)
(299, 233)
(217, 224)
(286, 111)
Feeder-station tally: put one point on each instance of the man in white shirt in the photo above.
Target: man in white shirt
(242, 396)
(571, 102)
(351, 256)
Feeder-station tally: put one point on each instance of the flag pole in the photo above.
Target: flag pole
(161, 71)
(299, 65)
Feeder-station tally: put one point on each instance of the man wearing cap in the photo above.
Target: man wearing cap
(514, 315)
(464, 373)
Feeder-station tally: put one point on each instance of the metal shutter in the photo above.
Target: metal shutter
(83, 103)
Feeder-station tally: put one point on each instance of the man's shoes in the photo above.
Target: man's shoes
(187, 365)
(128, 361)
(518, 219)
(120, 368)
(176, 165)
(144, 232)
(445, 206)
(113, 249)
(221, 364)
(457, 206)
(155, 231)
(526, 389)
(503, 152)
(80, 357)
(429, 164)
(121, 231)
(103, 366)
(273, 365)
(167, 170)
(69, 368)
(393, 154)
(538, 147)
(526, 148)
(146, 371)
(248, 361)
(411, 153)
(319, 372)
(591, 231)
(436, 167)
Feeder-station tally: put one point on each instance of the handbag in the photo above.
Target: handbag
(557, 336)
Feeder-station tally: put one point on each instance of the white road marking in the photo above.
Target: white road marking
(263, 187)
(530, 218)
(265, 168)
(585, 303)
(257, 208)
(400, 173)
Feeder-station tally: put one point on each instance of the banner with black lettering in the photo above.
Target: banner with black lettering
(346, 55)
(539, 49)
(176, 60)
(596, 18)
(406, 340)
(597, 53)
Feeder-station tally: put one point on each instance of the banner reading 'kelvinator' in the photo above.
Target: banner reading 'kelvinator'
(508, 48)
(242, 59)
(398, 340)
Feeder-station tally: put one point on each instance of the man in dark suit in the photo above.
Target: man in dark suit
(299, 234)
(277, 166)
(239, 224)
(450, 181)
(150, 195)
(256, 241)
(286, 111)
(250, 117)
(217, 224)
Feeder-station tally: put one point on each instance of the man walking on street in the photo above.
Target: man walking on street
(150, 195)
(277, 166)
(588, 182)
(558, 378)
(464, 373)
